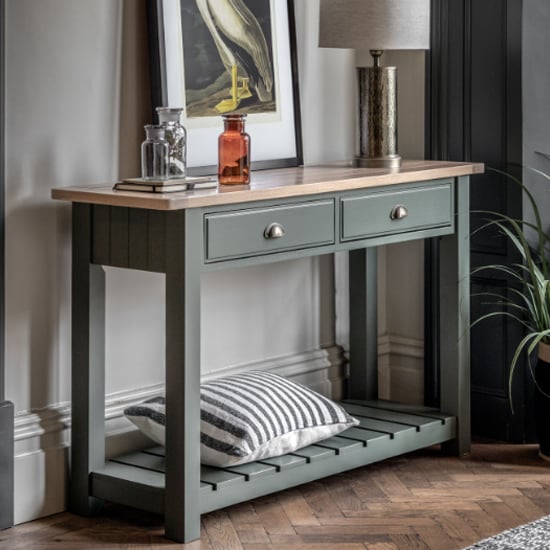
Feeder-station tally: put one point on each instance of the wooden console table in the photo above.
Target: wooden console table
(286, 213)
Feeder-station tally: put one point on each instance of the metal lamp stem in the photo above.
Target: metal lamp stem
(377, 115)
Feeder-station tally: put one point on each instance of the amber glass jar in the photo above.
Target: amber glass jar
(234, 152)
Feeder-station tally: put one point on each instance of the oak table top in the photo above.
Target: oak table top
(273, 184)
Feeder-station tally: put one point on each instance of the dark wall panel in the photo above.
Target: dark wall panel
(6, 408)
(474, 114)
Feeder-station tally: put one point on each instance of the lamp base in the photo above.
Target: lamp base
(377, 116)
(389, 161)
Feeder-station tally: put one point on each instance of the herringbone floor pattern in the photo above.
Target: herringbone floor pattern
(419, 501)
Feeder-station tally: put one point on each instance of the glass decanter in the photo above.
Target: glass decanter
(154, 153)
(176, 136)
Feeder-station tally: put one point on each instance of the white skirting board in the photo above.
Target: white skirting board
(42, 437)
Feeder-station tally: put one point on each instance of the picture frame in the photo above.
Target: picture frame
(191, 68)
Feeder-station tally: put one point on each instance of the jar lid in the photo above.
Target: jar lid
(234, 116)
(155, 131)
(169, 114)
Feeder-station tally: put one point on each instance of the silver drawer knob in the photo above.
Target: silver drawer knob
(398, 212)
(274, 231)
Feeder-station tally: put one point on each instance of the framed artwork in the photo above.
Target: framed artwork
(215, 57)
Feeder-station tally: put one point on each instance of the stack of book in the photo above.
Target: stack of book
(166, 186)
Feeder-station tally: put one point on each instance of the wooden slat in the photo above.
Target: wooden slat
(391, 416)
(101, 230)
(143, 460)
(367, 437)
(156, 241)
(428, 412)
(284, 462)
(220, 479)
(158, 450)
(314, 453)
(137, 238)
(119, 237)
(383, 426)
(253, 470)
(340, 445)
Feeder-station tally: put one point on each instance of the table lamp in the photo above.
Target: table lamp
(376, 25)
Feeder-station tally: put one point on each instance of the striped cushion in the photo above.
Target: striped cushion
(251, 416)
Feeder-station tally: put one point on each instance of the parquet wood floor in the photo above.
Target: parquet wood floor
(418, 501)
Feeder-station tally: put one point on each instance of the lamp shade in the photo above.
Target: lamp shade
(375, 24)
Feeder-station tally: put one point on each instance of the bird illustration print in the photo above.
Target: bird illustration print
(242, 48)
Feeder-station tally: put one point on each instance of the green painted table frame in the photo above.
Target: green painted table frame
(173, 243)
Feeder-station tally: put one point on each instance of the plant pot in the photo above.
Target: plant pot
(542, 400)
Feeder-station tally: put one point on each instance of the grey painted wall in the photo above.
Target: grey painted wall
(71, 106)
(65, 99)
(2, 185)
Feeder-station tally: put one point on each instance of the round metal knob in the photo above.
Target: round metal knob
(274, 231)
(398, 212)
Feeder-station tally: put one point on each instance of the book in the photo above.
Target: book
(172, 188)
(167, 186)
(188, 180)
(150, 188)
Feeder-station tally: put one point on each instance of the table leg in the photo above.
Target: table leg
(455, 320)
(183, 261)
(88, 364)
(363, 379)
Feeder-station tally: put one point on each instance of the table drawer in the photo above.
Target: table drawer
(388, 212)
(266, 230)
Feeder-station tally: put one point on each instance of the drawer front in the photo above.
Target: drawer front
(257, 231)
(390, 212)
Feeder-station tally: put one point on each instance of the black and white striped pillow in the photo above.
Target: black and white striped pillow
(251, 416)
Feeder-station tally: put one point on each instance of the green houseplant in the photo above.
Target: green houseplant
(528, 301)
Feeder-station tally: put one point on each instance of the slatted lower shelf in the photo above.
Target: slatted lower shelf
(386, 429)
